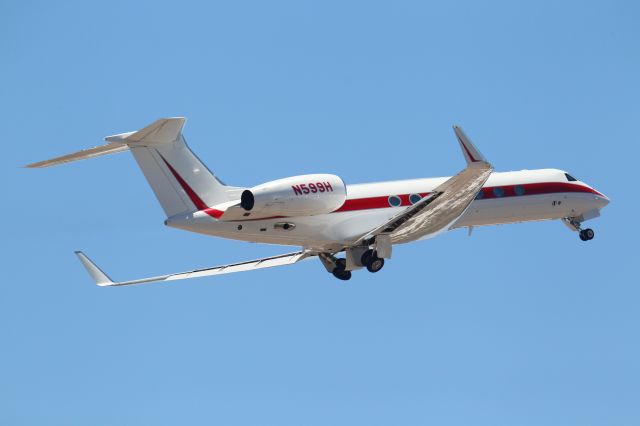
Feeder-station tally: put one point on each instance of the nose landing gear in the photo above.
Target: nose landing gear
(584, 234)
(587, 234)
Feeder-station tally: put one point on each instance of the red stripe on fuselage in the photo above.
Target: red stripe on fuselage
(374, 202)
(214, 212)
(382, 201)
(536, 189)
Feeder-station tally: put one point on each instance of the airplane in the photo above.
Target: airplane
(325, 216)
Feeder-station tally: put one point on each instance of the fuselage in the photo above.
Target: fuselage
(507, 197)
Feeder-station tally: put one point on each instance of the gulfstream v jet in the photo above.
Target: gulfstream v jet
(326, 217)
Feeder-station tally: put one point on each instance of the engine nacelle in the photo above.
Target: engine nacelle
(305, 195)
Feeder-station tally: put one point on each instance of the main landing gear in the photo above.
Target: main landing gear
(371, 261)
(340, 272)
(338, 266)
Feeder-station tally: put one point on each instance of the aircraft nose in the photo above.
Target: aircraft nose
(602, 200)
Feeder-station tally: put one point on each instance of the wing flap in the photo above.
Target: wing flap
(102, 280)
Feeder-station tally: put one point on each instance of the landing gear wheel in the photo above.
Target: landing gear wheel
(375, 264)
(341, 274)
(587, 234)
(339, 271)
(366, 257)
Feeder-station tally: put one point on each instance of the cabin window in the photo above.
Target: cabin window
(394, 201)
(518, 189)
(414, 198)
(498, 192)
(570, 178)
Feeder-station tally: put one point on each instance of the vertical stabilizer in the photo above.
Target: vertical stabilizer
(181, 182)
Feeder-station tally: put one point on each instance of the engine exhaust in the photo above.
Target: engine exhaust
(247, 200)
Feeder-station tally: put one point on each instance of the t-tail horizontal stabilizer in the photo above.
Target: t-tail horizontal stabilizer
(164, 130)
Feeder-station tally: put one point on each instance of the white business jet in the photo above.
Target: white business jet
(324, 216)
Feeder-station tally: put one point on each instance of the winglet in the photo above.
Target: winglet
(470, 152)
(96, 273)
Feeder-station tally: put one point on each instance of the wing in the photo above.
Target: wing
(103, 280)
(438, 211)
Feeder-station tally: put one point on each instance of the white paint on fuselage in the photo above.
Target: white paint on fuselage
(335, 230)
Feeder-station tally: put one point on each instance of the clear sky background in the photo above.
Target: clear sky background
(515, 325)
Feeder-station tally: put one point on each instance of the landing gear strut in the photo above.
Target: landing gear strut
(371, 260)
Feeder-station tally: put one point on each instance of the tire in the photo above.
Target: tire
(583, 236)
(366, 257)
(339, 271)
(375, 264)
(341, 274)
(589, 234)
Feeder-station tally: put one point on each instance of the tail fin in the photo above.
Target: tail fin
(181, 182)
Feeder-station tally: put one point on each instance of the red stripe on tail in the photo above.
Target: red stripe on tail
(195, 199)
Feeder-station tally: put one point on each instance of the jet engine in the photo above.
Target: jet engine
(305, 195)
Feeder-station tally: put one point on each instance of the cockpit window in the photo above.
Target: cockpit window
(570, 178)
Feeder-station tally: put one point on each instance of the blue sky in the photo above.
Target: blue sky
(521, 325)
